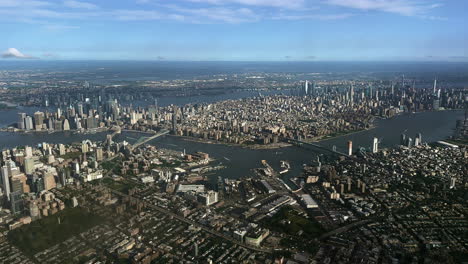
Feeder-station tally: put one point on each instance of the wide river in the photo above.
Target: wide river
(240, 161)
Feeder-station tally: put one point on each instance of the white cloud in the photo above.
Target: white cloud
(56, 27)
(313, 16)
(290, 4)
(79, 5)
(51, 16)
(23, 3)
(217, 14)
(137, 15)
(14, 53)
(401, 7)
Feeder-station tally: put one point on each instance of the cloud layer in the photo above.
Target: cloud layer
(55, 14)
(80, 5)
(14, 53)
(401, 7)
(188, 11)
(289, 4)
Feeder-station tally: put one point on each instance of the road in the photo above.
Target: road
(345, 228)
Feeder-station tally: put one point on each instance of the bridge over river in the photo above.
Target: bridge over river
(144, 140)
(314, 146)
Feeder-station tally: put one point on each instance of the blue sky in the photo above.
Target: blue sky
(235, 30)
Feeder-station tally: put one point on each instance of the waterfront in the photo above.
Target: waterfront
(10, 116)
(240, 161)
(10, 139)
(433, 126)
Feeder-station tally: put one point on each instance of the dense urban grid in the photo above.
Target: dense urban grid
(115, 202)
(311, 112)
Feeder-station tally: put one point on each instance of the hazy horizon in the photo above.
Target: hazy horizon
(235, 30)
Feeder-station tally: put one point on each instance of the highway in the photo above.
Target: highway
(345, 228)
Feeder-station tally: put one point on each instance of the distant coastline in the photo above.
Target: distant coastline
(7, 105)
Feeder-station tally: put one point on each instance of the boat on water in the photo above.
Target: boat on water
(285, 166)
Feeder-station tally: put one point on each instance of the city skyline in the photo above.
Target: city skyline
(234, 30)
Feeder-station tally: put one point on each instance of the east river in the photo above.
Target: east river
(240, 161)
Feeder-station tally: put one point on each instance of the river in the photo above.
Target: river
(240, 161)
(433, 126)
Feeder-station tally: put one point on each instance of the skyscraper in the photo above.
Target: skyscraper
(84, 147)
(350, 148)
(409, 142)
(375, 145)
(50, 124)
(99, 154)
(80, 110)
(62, 177)
(21, 118)
(174, 120)
(402, 139)
(66, 125)
(49, 181)
(418, 139)
(62, 150)
(28, 165)
(133, 118)
(436, 104)
(28, 152)
(38, 120)
(16, 185)
(29, 123)
(306, 87)
(6, 181)
(76, 167)
(17, 204)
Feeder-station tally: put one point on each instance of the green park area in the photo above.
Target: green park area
(121, 186)
(47, 231)
(112, 165)
(288, 221)
(166, 164)
(292, 223)
(71, 155)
